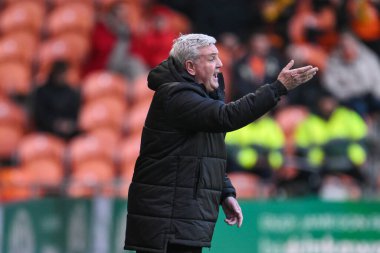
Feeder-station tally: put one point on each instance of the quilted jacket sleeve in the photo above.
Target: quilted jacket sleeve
(189, 108)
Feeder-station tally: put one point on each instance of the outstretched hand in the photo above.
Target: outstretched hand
(232, 210)
(291, 78)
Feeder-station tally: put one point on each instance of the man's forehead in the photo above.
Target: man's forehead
(208, 50)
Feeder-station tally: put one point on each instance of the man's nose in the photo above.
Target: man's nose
(219, 63)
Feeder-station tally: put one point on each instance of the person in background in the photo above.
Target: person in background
(180, 178)
(159, 25)
(230, 50)
(257, 148)
(363, 18)
(260, 65)
(55, 104)
(352, 75)
(111, 44)
(331, 142)
(120, 58)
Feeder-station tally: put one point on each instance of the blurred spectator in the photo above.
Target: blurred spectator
(55, 104)
(314, 22)
(230, 50)
(258, 66)
(152, 37)
(340, 188)
(276, 15)
(364, 20)
(258, 149)
(352, 75)
(294, 182)
(111, 44)
(332, 140)
(215, 17)
(312, 54)
(121, 60)
(102, 40)
(312, 31)
(306, 55)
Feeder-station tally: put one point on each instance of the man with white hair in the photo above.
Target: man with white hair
(180, 175)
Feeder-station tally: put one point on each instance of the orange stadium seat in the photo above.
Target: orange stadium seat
(102, 113)
(246, 185)
(75, 17)
(18, 46)
(125, 181)
(103, 84)
(85, 150)
(140, 92)
(37, 146)
(42, 155)
(92, 180)
(93, 167)
(22, 15)
(15, 78)
(127, 153)
(135, 119)
(71, 47)
(15, 185)
(108, 136)
(12, 127)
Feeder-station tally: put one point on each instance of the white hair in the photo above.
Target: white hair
(186, 46)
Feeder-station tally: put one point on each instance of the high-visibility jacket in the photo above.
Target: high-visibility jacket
(259, 144)
(336, 143)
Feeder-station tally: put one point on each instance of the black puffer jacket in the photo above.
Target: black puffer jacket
(179, 179)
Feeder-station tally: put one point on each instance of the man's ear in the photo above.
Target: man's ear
(190, 68)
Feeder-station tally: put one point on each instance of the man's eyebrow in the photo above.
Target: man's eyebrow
(211, 54)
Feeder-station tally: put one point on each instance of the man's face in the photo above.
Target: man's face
(207, 66)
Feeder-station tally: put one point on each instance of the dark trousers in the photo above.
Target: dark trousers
(174, 248)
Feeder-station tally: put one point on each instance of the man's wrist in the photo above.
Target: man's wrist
(279, 88)
(230, 194)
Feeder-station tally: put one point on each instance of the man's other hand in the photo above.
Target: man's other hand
(232, 210)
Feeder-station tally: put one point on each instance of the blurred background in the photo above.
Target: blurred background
(73, 100)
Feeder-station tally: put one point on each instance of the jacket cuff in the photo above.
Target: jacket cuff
(278, 88)
(228, 194)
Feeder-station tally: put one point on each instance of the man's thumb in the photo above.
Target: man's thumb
(289, 65)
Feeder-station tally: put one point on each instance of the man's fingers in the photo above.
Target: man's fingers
(303, 69)
(314, 70)
(289, 65)
(294, 77)
(308, 74)
(240, 219)
(311, 71)
(231, 221)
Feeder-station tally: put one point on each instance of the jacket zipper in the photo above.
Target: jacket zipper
(197, 179)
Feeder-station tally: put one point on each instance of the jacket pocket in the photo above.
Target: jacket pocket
(197, 178)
